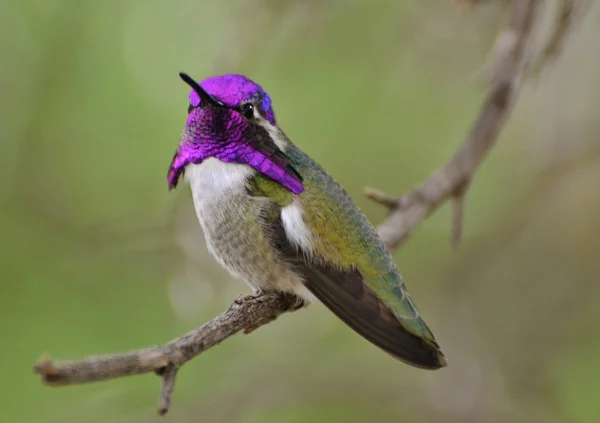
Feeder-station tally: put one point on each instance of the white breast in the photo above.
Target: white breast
(214, 177)
(216, 188)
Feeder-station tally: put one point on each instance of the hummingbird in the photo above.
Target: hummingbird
(276, 219)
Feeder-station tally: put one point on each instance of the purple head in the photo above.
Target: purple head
(228, 117)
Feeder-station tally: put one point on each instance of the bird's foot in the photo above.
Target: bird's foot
(299, 303)
(295, 303)
(249, 297)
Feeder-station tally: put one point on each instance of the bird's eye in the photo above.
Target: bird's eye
(190, 108)
(248, 110)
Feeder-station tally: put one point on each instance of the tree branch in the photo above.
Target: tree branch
(452, 181)
(250, 312)
(246, 313)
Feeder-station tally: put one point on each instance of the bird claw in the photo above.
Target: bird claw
(300, 303)
(240, 299)
(294, 306)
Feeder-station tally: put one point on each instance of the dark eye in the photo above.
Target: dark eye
(190, 108)
(248, 110)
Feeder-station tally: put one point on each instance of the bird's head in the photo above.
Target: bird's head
(230, 118)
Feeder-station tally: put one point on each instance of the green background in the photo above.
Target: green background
(98, 257)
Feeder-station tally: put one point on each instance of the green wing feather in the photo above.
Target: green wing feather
(350, 270)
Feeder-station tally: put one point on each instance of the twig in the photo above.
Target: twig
(564, 20)
(169, 374)
(452, 181)
(250, 312)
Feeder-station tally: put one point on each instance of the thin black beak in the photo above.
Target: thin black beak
(205, 97)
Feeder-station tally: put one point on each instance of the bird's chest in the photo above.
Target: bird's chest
(220, 198)
(228, 215)
(235, 229)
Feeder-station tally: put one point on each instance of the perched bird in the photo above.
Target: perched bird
(276, 219)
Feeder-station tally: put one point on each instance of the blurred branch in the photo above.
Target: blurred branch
(452, 181)
(250, 312)
(564, 20)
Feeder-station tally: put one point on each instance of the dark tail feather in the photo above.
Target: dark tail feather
(345, 294)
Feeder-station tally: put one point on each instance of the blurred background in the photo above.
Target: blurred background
(98, 257)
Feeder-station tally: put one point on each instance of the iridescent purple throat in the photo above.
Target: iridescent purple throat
(234, 152)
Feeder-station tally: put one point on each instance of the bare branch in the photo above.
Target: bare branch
(165, 360)
(453, 179)
(251, 312)
(382, 198)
